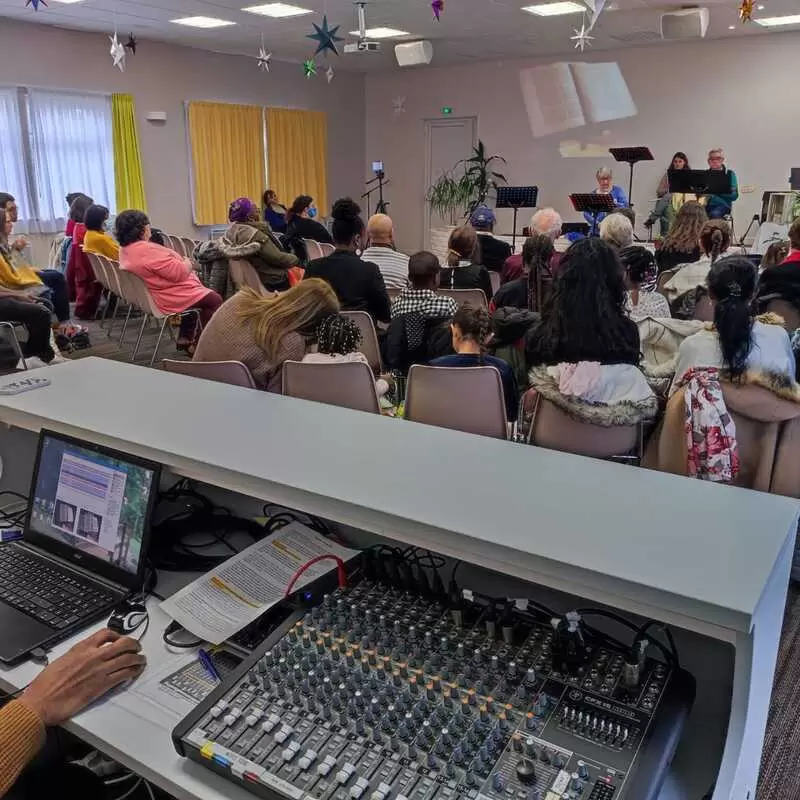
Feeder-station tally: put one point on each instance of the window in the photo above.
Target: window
(59, 142)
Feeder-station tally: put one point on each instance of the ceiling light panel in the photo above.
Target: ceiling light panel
(775, 22)
(555, 9)
(202, 22)
(278, 10)
(382, 33)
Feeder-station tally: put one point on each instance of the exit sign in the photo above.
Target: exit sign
(447, 110)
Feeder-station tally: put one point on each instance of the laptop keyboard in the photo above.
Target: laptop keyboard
(41, 589)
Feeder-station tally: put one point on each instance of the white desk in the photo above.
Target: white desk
(710, 559)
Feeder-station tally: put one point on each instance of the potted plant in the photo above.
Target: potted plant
(460, 191)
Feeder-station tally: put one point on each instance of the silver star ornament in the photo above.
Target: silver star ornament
(117, 52)
(582, 38)
(263, 59)
(329, 74)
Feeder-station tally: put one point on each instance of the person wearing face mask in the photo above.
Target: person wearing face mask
(605, 185)
(300, 222)
(96, 239)
(358, 284)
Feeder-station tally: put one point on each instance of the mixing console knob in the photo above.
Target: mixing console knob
(545, 757)
(526, 770)
(343, 719)
(377, 737)
(484, 714)
(412, 751)
(583, 772)
(326, 711)
(469, 778)
(558, 760)
(494, 665)
(530, 748)
(534, 794)
(516, 742)
(576, 784)
(458, 755)
(498, 782)
(431, 761)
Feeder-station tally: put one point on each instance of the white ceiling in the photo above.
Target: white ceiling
(469, 30)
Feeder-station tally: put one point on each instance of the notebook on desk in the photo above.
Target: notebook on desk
(85, 542)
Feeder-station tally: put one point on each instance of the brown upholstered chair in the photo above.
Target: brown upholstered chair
(232, 372)
(350, 385)
(466, 297)
(244, 274)
(369, 338)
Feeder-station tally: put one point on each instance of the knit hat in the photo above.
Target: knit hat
(482, 217)
(242, 209)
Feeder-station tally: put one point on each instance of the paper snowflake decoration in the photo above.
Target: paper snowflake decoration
(330, 74)
(399, 104)
(117, 52)
(746, 10)
(131, 44)
(325, 37)
(310, 68)
(263, 59)
(437, 6)
(36, 4)
(582, 38)
(594, 7)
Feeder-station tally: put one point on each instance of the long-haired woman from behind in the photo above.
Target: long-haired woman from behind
(523, 292)
(682, 243)
(264, 332)
(738, 342)
(462, 271)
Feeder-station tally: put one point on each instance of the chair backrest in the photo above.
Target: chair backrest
(326, 249)
(464, 297)
(494, 277)
(704, 309)
(663, 278)
(369, 338)
(243, 273)
(784, 309)
(99, 270)
(553, 428)
(188, 246)
(135, 291)
(113, 272)
(174, 243)
(314, 249)
(233, 372)
(348, 384)
(393, 294)
(468, 399)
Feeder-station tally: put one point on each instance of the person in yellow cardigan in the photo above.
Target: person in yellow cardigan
(85, 673)
(96, 239)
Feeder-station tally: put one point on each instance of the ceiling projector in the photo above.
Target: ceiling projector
(362, 46)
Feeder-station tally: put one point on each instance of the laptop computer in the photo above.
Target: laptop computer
(84, 546)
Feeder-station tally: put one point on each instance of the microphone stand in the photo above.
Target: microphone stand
(756, 218)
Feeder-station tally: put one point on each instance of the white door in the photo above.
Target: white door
(447, 141)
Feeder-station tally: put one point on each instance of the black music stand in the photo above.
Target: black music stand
(699, 181)
(631, 156)
(593, 203)
(516, 197)
(575, 227)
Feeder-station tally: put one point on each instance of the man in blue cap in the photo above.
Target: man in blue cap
(494, 252)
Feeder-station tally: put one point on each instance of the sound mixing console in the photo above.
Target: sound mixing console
(377, 694)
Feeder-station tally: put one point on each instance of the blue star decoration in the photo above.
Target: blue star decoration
(325, 37)
(36, 4)
(310, 68)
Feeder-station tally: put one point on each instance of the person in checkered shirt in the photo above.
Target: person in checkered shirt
(421, 296)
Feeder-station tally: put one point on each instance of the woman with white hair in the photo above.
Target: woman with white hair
(605, 185)
(616, 229)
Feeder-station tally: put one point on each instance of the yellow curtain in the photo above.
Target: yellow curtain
(128, 178)
(227, 143)
(297, 155)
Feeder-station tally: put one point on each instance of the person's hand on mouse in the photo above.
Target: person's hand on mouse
(83, 674)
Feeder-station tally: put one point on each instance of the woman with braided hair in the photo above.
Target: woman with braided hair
(470, 330)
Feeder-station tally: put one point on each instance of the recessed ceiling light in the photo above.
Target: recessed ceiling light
(381, 33)
(67, 2)
(202, 22)
(761, 8)
(555, 9)
(731, 27)
(278, 10)
(774, 22)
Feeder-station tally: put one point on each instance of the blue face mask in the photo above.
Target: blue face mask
(312, 212)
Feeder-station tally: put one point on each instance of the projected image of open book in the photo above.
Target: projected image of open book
(566, 95)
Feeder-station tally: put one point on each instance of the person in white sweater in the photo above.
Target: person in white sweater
(737, 342)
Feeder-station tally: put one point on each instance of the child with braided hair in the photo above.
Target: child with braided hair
(338, 339)
(470, 330)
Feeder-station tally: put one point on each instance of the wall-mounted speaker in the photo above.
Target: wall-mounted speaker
(156, 116)
(410, 54)
(686, 23)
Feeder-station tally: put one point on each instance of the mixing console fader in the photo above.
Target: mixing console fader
(376, 694)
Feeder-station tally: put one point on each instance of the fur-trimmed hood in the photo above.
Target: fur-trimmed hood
(217, 249)
(631, 405)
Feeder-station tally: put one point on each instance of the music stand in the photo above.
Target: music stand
(631, 156)
(575, 227)
(699, 181)
(593, 203)
(516, 197)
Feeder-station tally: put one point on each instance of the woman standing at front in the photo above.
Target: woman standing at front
(169, 278)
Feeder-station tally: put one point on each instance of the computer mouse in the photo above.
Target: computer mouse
(127, 617)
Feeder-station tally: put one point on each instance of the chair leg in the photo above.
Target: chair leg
(158, 341)
(145, 318)
(103, 293)
(15, 343)
(125, 326)
(112, 320)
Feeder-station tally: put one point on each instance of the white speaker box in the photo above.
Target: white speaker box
(409, 54)
(156, 116)
(686, 23)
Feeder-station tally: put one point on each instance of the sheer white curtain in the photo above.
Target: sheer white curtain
(12, 151)
(71, 151)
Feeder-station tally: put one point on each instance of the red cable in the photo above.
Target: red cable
(341, 574)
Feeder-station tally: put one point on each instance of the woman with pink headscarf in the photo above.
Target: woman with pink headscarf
(270, 262)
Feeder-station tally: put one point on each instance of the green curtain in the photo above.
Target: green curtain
(127, 156)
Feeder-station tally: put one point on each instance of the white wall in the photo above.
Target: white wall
(740, 95)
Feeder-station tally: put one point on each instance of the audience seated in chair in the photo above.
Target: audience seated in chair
(300, 224)
(492, 252)
(381, 251)
(268, 259)
(640, 271)
(274, 211)
(470, 331)
(523, 292)
(546, 221)
(358, 284)
(682, 243)
(96, 239)
(83, 287)
(617, 230)
(45, 285)
(584, 316)
(687, 286)
(777, 253)
(264, 332)
(338, 339)
(169, 277)
(19, 308)
(463, 270)
(782, 281)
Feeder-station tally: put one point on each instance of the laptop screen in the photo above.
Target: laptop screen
(91, 501)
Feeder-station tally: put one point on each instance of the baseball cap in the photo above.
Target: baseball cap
(482, 215)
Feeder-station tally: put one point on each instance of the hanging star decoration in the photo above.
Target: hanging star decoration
(330, 74)
(35, 4)
(437, 6)
(117, 52)
(263, 59)
(399, 104)
(131, 44)
(746, 10)
(310, 68)
(594, 7)
(582, 38)
(325, 37)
